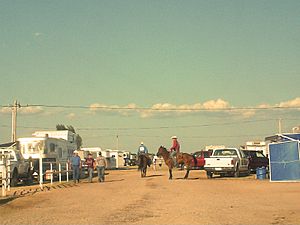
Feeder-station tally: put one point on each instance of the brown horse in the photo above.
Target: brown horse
(144, 161)
(181, 158)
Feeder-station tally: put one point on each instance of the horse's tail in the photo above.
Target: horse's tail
(195, 160)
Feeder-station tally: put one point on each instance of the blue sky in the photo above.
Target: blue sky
(152, 54)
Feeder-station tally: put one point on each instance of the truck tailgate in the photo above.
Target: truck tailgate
(219, 162)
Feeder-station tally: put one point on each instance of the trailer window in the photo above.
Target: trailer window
(60, 152)
(32, 147)
(52, 147)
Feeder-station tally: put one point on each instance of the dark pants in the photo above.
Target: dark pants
(76, 173)
(101, 173)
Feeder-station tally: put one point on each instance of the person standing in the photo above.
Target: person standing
(101, 164)
(90, 162)
(76, 166)
(155, 158)
(174, 149)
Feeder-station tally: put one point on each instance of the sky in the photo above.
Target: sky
(140, 70)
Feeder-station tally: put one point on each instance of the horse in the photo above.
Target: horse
(143, 163)
(182, 158)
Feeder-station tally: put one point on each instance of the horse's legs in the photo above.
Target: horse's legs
(187, 173)
(171, 176)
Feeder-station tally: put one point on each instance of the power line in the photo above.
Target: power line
(151, 128)
(185, 137)
(156, 109)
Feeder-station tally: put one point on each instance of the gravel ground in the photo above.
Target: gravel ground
(126, 198)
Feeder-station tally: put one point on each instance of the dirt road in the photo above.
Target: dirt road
(125, 198)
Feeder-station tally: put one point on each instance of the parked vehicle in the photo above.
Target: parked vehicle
(20, 169)
(200, 157)
(51, 149)
(227, 161)
(130, 160)
(256, 159)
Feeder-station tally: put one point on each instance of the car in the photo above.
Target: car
(200, 157)
(256, 159)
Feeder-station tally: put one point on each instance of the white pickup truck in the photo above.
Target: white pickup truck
(19, 167)
(226, 161)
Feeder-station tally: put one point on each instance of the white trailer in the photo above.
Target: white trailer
(48, 153)
(50, 149)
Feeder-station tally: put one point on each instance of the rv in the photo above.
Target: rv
(49, 146)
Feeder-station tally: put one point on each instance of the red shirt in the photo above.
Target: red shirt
(175, 146)
(90, 162)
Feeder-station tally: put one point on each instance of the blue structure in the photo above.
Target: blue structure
(284, 157)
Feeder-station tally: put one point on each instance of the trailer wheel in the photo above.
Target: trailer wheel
(14, 179)
(29, 179)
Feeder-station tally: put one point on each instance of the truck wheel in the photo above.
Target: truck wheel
(237, 172)
(209, 175)
(248, 172)
(14, 179)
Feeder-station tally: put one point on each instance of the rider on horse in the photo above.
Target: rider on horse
(142, 150)
(174, 149)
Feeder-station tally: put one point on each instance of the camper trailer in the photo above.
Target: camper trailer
(49, 146)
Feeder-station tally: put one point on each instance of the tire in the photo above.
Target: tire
(237, 172)
(14, 179)
(209, 175)
(29, 179)
(248, 172)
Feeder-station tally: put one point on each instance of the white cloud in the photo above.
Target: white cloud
(216, 104)
(160, 109)
(5, 110)
(31, 110)
(23, 110)
(292, 103)
(37, 34)
(71, 115)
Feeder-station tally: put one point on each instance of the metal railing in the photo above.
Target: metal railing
(5, 173)
(46, 171)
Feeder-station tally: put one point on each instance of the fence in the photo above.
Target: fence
(46, 171)
(5, 173)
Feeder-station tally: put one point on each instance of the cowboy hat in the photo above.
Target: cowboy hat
(174, 137)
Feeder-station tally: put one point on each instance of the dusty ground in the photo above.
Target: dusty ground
(128, 199)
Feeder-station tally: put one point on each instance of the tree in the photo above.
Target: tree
(72, 129)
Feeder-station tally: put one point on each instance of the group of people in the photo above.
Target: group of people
(99, 163)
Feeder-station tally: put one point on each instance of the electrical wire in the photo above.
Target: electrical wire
(154, 109)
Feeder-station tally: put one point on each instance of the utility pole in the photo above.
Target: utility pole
(117, 142)
(279, 126)
(14, 109)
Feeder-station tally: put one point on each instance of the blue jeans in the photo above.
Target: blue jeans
(76, 173)
(90, 172)
(173, 155)
(100, 170)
